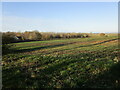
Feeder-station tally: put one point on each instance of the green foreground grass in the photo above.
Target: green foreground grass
(70, 63)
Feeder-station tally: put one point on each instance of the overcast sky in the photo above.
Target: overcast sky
(60, 16)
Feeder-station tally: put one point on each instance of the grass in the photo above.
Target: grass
(70, 63)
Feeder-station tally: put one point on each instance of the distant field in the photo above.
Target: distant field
(70, 63)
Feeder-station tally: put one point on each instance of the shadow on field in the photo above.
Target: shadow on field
(43, 47)
(99, 43)
(82, 46)
(107, 79)
(53, 46)
(20, 77)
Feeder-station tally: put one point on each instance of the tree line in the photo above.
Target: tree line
(8, 37)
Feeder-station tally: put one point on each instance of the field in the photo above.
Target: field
(69, 63)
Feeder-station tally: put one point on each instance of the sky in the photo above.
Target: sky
(60, 16)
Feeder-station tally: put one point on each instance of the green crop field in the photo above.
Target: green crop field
(69, 63)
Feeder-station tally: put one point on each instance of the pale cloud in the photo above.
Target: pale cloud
(13, 23)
